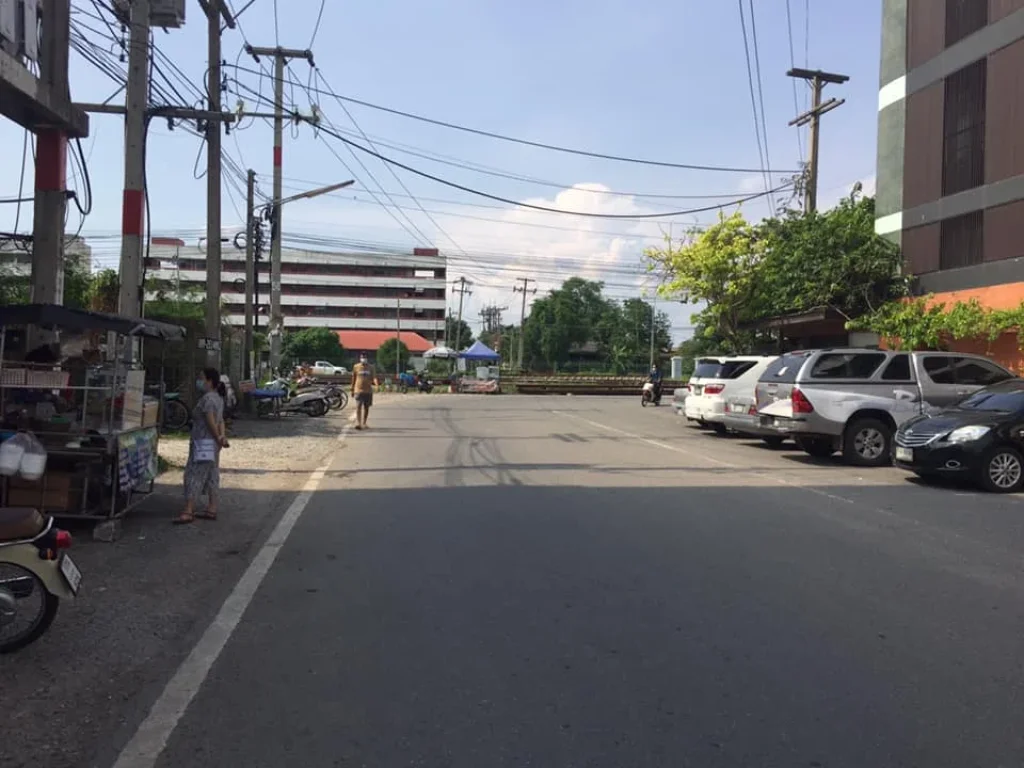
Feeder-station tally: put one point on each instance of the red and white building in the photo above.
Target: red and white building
(341, 291)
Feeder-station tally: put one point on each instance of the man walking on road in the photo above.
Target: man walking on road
(362, 390)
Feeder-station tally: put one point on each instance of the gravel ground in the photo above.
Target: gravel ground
(147, 597)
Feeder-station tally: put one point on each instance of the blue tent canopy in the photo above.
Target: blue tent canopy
(480, 352)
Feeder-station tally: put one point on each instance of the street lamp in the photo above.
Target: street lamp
(276, 320)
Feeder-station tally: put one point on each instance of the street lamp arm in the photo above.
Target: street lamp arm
(316, 192)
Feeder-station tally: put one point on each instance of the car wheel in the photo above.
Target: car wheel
(868, 443)
(818, 447)
(1002, 471)
(773, 442)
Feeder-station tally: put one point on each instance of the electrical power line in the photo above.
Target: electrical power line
(753, 97)
(543, 145)
(760, 94)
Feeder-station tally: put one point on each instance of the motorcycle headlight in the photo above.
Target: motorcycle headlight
(967, 434)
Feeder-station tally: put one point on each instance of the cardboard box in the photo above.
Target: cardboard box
(54, 492)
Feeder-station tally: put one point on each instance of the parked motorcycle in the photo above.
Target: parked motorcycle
(650, 395)
(279, 396)
(35, 575)
(337, 397)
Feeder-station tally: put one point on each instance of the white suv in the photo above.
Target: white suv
(731, 378)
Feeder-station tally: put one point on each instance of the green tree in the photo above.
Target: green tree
(718, 267)
(831, 259)
(572, 315)
(386, 356)
(104, 291)
(310, 345)
(633, 333)
(459, 335)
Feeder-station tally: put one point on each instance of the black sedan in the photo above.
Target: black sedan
(981, 438)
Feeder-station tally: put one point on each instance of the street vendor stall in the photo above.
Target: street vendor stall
(67, 376)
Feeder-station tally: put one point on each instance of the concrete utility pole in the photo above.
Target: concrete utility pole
(281, 55)
(818, 80)
(524, 289)
(654, 304)
(250, 268)
(213, 182)
(51, 165)
(133, 204)
(462, 290)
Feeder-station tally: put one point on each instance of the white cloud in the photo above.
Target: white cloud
(550, 248)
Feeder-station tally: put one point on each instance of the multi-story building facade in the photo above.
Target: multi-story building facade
(950, 177)
(340, 291)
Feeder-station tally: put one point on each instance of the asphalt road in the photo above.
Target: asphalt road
(579, 582)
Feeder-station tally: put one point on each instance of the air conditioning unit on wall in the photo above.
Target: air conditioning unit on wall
(162, 13)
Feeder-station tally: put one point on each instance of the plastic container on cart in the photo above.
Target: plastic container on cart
(33, 460)
(11, 454)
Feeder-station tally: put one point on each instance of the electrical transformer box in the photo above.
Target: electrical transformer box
(162, 13)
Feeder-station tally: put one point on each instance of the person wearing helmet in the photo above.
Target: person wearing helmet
(655, 378)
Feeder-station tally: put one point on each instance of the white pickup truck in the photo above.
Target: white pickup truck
(323, 368)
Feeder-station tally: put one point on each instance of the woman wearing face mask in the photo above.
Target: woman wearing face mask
(202, 472)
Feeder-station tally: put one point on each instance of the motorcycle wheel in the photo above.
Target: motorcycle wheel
(643, 400)
(175, 416)
(316, 407)
(342, 399)
(17, 585)
(333, 398)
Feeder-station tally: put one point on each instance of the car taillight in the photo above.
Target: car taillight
(800, 402)
(689, 388)
(713, 389)
(752, 410)
(62, 540)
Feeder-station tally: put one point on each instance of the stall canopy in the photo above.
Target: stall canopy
(440, 353)
(480, 352)
(54, 317)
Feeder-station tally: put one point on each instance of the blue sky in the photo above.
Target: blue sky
(660, 79)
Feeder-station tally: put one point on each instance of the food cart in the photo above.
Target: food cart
(68, 376)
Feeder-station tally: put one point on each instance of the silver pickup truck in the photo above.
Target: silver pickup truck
(853, 400)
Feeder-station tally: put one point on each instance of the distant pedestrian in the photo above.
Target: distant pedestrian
(362, 390)
(207, 438)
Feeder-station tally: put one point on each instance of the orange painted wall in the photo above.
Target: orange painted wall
(1004, 350)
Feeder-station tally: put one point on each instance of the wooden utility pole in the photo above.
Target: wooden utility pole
(818, 80)
(281, 56)
(524, 289)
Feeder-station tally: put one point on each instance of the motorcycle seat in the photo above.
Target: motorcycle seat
(20, 523)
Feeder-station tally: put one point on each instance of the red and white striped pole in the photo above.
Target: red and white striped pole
(48, 229)
(133, 202)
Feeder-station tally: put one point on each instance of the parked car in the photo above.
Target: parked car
(704, 368)
(981, 438)
(734, 376)
(853, 400)
(323, 368)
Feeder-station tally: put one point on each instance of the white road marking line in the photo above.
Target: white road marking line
(153, 733)
(713, 460)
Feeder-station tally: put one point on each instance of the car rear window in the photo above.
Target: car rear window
(733, 369)
(847, 365)
(785, 369)
(707, 369)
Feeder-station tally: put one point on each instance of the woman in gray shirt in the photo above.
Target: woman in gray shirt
(202, 471)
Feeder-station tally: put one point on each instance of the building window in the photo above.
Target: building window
(963, 146)
(961, 241)
(963, 18)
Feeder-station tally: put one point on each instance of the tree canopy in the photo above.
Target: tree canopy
(460, 335)
(743, 272)
(310, 345)
(578, 320)
(387, 353)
